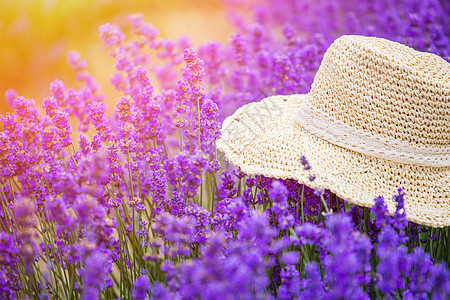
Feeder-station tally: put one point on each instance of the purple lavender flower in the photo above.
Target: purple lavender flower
(394, 263)
(7, 289)
(160, 292)
(304, 162)
(188, 168)
(210, 126)
(290, 279)
(23, 214)
(440, 281)
(290, 258)
(97, 267)
(420, 272)
(312, 285)
(392, 270)
(233, 273)
(141, 287)
(254, 228)
(278, 193)
(59, 213)
(381, 212)
(355, 213)
(227, 214)
(347, 264)
(309, 233)
(399, 220)
(227, 187)
(8, 250)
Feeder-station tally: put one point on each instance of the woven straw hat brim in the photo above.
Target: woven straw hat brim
(263, 138)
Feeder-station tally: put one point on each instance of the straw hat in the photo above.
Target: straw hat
(377, 118)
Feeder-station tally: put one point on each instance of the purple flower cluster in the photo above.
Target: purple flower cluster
(228, 268)
(395, 263)
(142, 205)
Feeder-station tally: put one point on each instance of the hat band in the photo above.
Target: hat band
(323, 126)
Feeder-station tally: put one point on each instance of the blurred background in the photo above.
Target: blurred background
(35, 36)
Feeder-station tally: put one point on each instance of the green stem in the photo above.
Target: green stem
(181, 140)
(201, 191)
(366, 220)
(302, 201)
(5, 211)
(324, 204)
(198, 127)
(217, 192)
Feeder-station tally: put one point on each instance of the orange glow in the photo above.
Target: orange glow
(35, 36)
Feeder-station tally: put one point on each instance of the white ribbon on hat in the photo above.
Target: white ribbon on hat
(325, 127)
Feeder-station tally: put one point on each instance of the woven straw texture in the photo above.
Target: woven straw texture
(377, 118)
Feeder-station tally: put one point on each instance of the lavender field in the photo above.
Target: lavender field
(135, 201)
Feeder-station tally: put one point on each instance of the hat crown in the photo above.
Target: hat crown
(381, 94)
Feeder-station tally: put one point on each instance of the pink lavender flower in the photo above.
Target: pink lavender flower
(142, 28)
(10, 96)
(75, 62)
(57, 88)
(98, 119)
(111, 34)
(194, 71)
